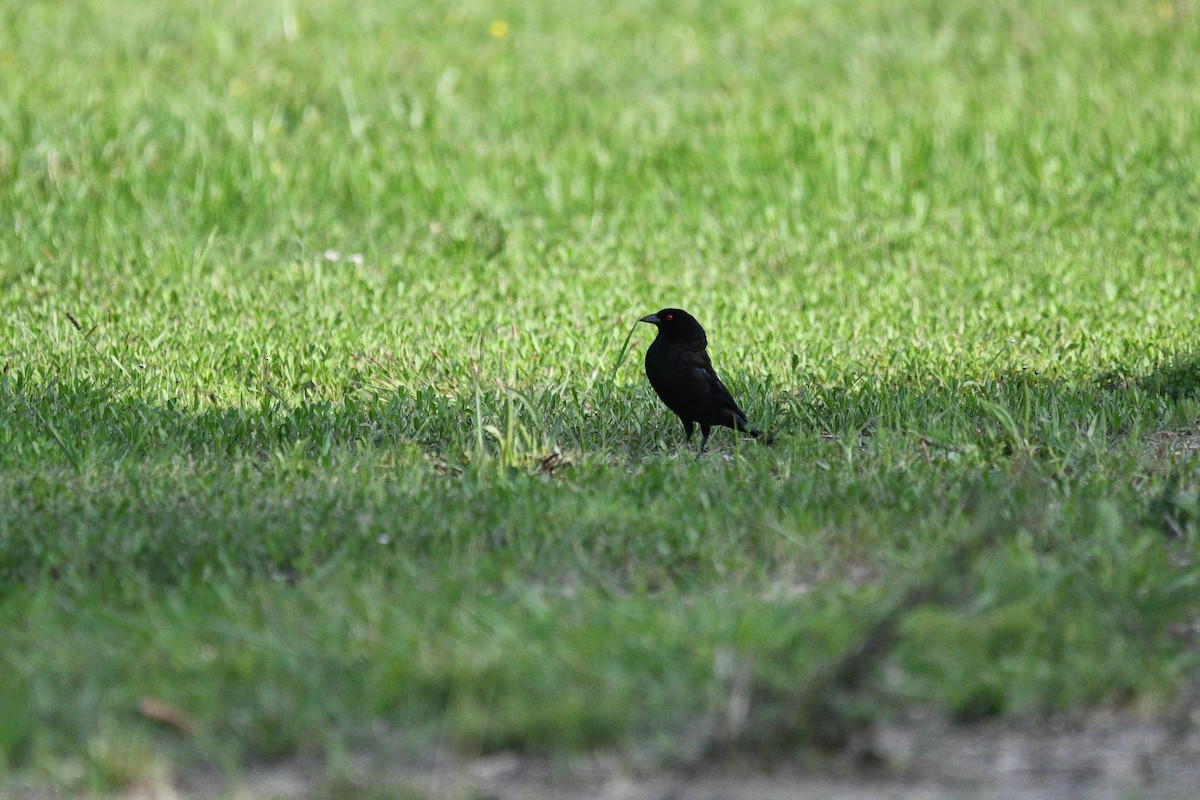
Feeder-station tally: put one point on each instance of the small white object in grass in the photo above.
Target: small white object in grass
(356, 259)
(332, 255)
(384, 539)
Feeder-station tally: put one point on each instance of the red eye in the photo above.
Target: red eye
(670, 317)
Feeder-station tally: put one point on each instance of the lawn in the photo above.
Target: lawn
(319, 435)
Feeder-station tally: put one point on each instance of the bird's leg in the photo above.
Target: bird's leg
(689, 428)
(705, 430)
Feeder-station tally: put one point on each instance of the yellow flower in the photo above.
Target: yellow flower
(498, 29)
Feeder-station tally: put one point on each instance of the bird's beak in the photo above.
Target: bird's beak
(651, 318)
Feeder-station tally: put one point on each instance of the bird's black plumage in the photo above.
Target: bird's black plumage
(682, 375)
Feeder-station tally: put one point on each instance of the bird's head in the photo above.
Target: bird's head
(675, 323)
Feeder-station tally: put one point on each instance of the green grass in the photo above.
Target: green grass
(315, 427)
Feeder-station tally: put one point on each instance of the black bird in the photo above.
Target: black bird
(680, 371)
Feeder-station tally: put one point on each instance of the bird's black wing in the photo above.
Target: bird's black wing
(725, 409)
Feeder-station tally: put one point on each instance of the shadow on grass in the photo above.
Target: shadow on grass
(83, 420)
(1176, 378)
(101, 483)
(76, 456)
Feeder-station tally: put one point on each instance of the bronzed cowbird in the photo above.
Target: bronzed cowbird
(682, 374)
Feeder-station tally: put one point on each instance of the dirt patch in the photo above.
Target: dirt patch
(1164, 444)
(1102, 758)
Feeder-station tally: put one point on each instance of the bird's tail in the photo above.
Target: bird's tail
(765, 436)
(743, 425)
